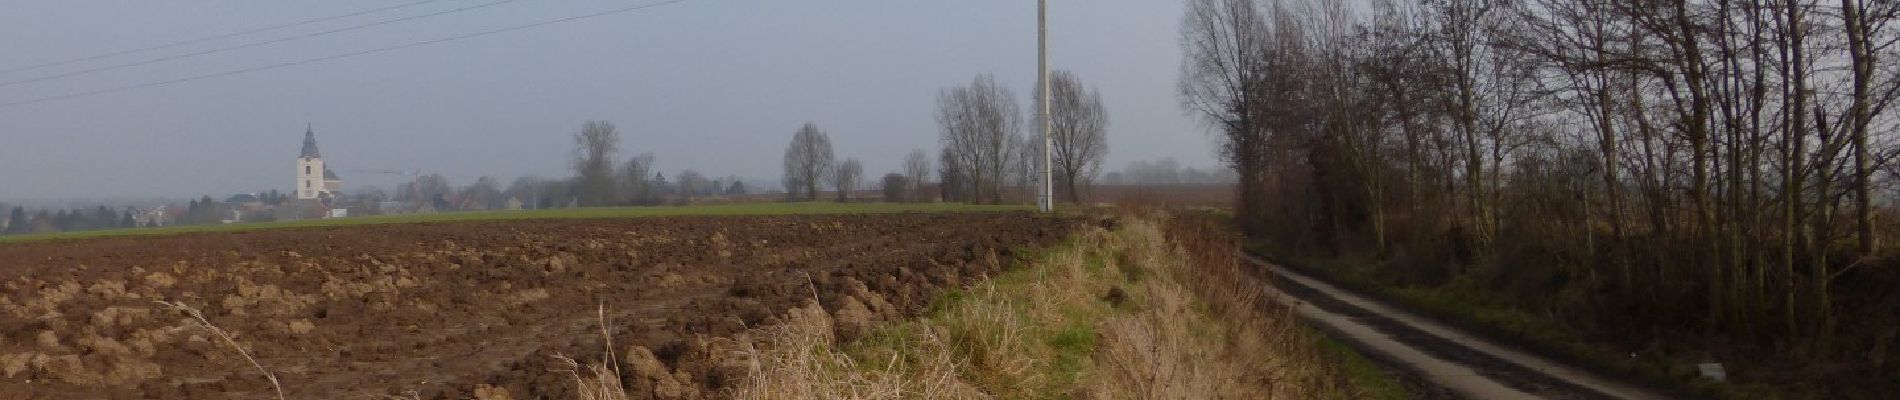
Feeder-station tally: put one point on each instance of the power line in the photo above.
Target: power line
(252, 44)
(338, 56)
(214, 37)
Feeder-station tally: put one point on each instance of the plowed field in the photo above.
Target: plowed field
(445, 310)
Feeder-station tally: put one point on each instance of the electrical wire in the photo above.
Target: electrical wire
(252, 44)
(339, 56)
(214, 37)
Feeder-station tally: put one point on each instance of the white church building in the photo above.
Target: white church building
(314, 181)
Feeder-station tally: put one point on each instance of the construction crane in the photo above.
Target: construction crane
(386, 171)
(415, 177)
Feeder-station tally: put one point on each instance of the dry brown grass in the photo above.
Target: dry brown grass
(1141, 312)
(599, 380)
(1205, 331)
(594, 381)
(991, 342)
(799, 359)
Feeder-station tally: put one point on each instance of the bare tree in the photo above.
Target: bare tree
(952, 182)
(897, 188)
(846, 178)
(981, 127)
(429, 188)
(529, 190)
(1078, 132)
(691, 184)
(807, 162)
(1025, 166)
(1223, 78)
(916, 174)
(734, 186)
(484, 194)
(594, 149)
(636, 181)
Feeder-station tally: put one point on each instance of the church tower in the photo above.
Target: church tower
(310, 182)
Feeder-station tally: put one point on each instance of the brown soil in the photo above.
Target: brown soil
(466, 310)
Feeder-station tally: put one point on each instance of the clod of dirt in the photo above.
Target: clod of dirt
(676, 387)
(646, 374)
(1115, 297)
(13, 364)
(49, 341)
(116, 316)
(721, 246)
(853, 319)
(302, 326)
(486, 392)
(876, 303)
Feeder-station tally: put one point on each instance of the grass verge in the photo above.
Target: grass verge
(1152, 309)
(563, 213)
(1374, 380)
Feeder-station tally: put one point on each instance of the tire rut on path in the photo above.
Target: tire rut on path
(1454, 360)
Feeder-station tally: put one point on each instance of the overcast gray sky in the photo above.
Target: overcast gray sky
(712, 85)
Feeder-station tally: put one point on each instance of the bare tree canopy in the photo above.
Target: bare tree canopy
(1223, 75)
(1078, 133)
(981, 127)
(952, 183)
(636, 181)
(847, 178)
(484, 194)
(690, 184)
(1025, 165)
(808, 162)
(530, 190)
(916, 174)
(896, 188)
(594, 149)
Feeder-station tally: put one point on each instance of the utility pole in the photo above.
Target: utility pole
(1046, 201)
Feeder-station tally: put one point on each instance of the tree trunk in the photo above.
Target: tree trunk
(1862, 60)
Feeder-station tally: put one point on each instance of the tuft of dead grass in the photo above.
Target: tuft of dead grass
(598, 380)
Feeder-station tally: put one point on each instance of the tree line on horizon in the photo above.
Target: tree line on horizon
(985, 156)
(988, 154)
(19, 220)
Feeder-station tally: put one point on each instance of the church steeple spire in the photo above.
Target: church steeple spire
(310, 143)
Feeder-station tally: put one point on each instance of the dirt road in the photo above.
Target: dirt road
(1459, 363)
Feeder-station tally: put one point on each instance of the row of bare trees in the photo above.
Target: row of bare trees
(986, 153)
(601, 180)
(985, 157)
(809, 166)
(1713, 161)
